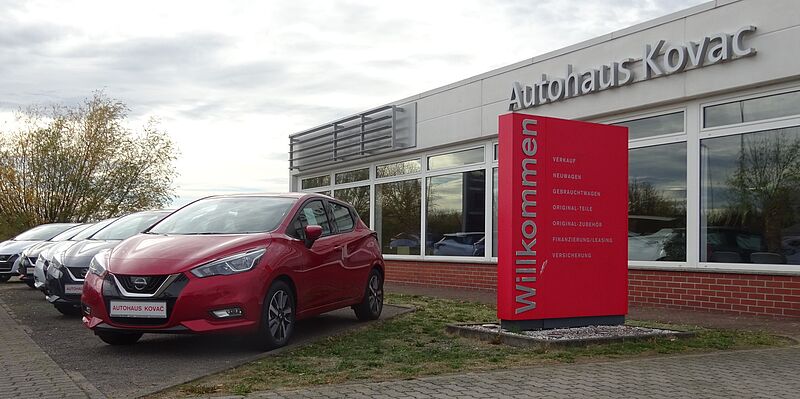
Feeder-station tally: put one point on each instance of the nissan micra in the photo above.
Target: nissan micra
(251, 264)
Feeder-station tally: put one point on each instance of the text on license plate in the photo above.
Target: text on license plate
(73, 289)
(151, 310)
(30, 270)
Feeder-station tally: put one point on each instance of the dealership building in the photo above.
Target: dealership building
(711, 99)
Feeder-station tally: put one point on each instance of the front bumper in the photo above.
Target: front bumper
(64, 285)
(189, 301)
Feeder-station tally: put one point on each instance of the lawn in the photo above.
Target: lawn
(416, 344)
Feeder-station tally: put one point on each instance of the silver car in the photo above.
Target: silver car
(11, 250)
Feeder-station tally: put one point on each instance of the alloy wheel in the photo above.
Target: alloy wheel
(375, 294)
(280, 315)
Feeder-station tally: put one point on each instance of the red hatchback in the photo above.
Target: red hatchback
(238, 263)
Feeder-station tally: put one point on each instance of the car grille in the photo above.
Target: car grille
(79, 272)
(153, 283)
(7, 262)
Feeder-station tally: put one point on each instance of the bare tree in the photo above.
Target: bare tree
(81, 163)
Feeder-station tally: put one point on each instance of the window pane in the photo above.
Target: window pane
(398, 168)
(318, 181)
(456, 214)
(723, 114)
(754, 109)
(494, 212)
(358, 197)
(342, 217)
(452, 159)
(312, 213)
(397, 207)
(654, 126)
(657, 203)
(751, 198)
(352, 176)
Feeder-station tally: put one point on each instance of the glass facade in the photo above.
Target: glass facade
(456, 214)
(657, 203)
(457, 158)
(697, 198)
(397, 221)
(314, 182)
(754, 109)
(750, 191)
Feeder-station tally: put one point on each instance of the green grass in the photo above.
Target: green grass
(415, 344)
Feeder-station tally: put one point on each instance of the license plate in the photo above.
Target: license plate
(73, 289)
(30, 270)
(149, 310)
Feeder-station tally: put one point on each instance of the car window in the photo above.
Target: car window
(312, 213)
(342, 217)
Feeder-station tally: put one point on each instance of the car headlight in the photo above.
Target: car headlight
(98, 264)
(54, 269)
(233, 264)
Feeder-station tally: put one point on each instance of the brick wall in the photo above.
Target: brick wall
(747, 294)
(432, 274)
(723, 292)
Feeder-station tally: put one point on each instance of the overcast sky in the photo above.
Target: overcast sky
(230, 80)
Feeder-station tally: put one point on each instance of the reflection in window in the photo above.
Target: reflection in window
(397, 218)
(318, 181)
(352, 176)
(654, 126)
(754, 109)
(494, 211)
(358, 197)
(657, 203)
(398, 168)
(455, 217)
(750, 196)
(313, 213)
(457, 158)
(342, 217)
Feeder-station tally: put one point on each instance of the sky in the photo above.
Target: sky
(230, 81)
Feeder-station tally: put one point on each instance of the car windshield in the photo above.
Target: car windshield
(226, 215)
(43, 232)
(69, 233)
(128, 226)
(93, 228)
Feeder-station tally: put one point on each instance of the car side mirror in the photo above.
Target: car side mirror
(313, 232)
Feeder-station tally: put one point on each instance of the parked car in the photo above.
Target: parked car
(10, 250)
(236, 264)
(67, 269)
(27, 260)
(47, 254)
(457, 244)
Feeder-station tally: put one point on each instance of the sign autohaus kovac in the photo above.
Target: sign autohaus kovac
(563, 223)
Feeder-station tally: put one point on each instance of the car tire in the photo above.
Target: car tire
(30, 283)
(5, 278)
(277, 317)
(68, 310)
(119, 338)
(371, 306)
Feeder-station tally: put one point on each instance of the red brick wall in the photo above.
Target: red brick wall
(749, 294)
(723, 292)
(432, 274)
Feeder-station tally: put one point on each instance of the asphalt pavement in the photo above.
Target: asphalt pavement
(157, 361)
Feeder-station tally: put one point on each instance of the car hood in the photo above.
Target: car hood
(11, 247)
(35, 250)
(80, 254)
(56, 248)
(167, 254)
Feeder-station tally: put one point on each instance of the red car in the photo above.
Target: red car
(236, 264)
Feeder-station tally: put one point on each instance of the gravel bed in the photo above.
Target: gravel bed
(577, 333)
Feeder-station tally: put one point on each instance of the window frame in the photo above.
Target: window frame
(350, 211)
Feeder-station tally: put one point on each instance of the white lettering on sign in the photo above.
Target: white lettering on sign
(525, 260)
(658, 59)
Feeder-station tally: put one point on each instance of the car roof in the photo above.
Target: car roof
(295, 195)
